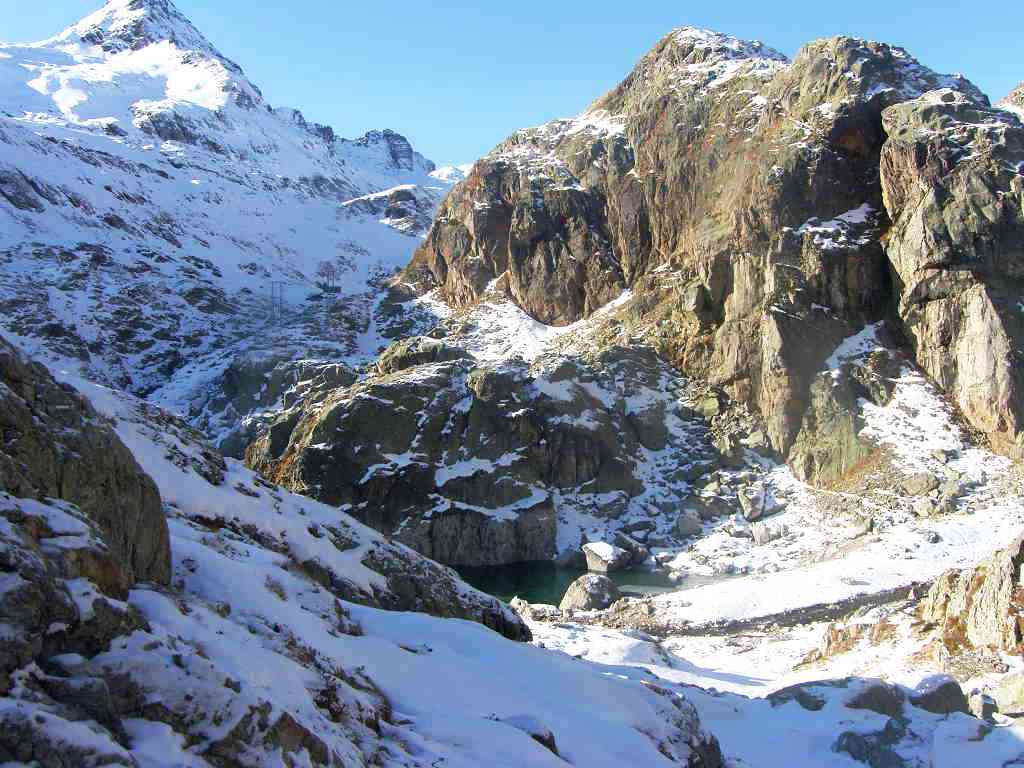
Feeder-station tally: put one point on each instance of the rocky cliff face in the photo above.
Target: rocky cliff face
(753, 204)
(953, 186)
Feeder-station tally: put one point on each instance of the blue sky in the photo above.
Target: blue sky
(457, 77)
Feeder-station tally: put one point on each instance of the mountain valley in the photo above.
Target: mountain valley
(736, 351)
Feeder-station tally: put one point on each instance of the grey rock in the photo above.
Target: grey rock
(418, 350)
(1009, 694)
(639, 552)
(982, 706)
(57, 446)
(606, 558)
(588, 593)
(940, 695)
(955, 245)
(919, 484)
(688, 524)
(764, 532)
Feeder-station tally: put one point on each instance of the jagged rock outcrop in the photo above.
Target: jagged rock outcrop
(56, 446)
(1014, 100)
(740, 197)
(982, 607)
(251, 390)
(830, 441)
(953, 181)
(471, 463)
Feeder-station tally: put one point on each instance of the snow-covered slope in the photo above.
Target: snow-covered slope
(152, 204)
(269, 647)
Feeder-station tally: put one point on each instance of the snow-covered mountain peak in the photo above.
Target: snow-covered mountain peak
(210, 200)
(130, 25)
(712, 44)
(397, 148)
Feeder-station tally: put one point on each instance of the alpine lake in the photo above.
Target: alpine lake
(546, 582)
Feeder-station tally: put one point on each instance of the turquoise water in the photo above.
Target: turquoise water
(545, 582)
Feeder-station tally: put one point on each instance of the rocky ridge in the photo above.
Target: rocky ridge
(476, 463)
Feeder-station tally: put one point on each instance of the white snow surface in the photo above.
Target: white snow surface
(729, 678)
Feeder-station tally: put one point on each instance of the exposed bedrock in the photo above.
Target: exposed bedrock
(473, 463)
(761, 211)
(56, 446)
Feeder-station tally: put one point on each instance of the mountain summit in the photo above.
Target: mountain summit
(129, 25)
(129, 143)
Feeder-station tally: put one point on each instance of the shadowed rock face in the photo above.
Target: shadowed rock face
(740, 191)
(56, 446)
(472, 463)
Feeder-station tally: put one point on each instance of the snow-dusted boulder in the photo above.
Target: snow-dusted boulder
(689, 524)
(589, 592)
(756, 501)
(603, 557)
(764, 531)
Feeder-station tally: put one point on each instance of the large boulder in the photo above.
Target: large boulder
(418, 350)
(1009, 695)
(56, 446)
(980, 607)
(603, 557)
(589, 592)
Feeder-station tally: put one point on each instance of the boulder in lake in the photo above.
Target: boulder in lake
(603, 557)
(589, 592)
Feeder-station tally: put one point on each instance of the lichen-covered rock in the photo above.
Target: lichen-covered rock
(981, 607)
(589, 592)
(61, 587)
(56, 446)
(830, 443)
(417, 351)
(234, 414)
